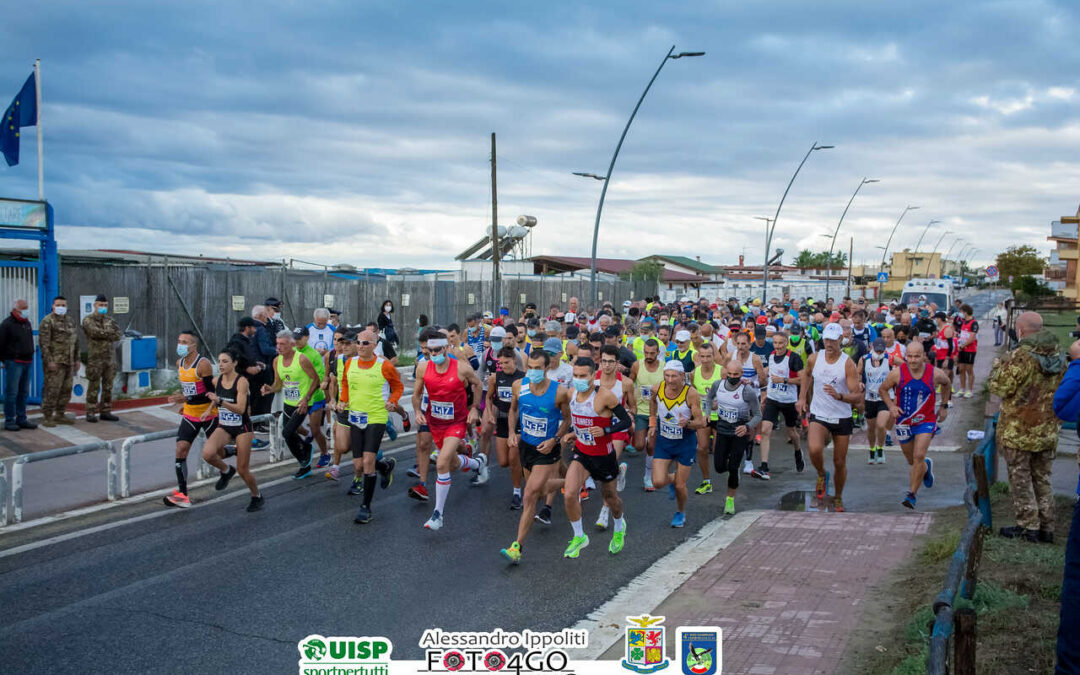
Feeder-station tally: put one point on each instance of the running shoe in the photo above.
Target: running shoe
(909, 500)
(363, 516)
(573, 549)
(256, 443)
(583, 496)
(543, 514)
(838, 505)
(928, 477)
(748, 466)
(419, 492)
(515, 502)
(482, 470)
(513, 554)
(760, 473)
(881, 455)
(729, 506)
(888, 438)
(414, 472)
(671, 492)
(303, 472)
(679, 519)
(968, 394)
(255, 504)
(178, 499)
(873, 456)
(602, 519)
(434, 522)
(620, 484)
(822, 486)
(799, 463)
(648, 483)
(223, 480)
(434, 455)
(324, 459)
(705, 487)
(757, 438)
(357, 487)
(406, 423)
(333, 474)
(387, 476)
(617, 541)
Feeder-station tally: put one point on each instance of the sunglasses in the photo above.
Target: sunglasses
(365, 343)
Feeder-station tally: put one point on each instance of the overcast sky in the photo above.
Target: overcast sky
(359, 132)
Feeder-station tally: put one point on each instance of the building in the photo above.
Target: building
(908, 264)
(681, 263)
(1061, 272)
(672, 282)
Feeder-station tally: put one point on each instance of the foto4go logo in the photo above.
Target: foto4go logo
(474, 660)
(321, 655)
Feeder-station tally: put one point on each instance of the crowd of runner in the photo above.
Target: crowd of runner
(559, 400)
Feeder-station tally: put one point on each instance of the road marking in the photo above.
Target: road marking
(607, 623)
(161, 413)
(71, 434)
(896, 448)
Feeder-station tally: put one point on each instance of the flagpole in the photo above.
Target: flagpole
(40, 159)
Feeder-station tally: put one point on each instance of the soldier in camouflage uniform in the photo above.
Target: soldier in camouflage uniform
(1027, 430)
(101, 333)
(60, 359)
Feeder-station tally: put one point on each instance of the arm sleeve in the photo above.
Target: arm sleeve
(755, 406)
(620, 420)
(710, 396)
(394, 380)
(343, 387)
(795, 364)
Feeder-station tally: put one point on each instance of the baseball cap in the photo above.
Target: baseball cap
(682, 336)
(489, 315)
(675, 365)
(626, 303)
(761, 320)
(770, 329)
(504, 311)
(299, 332)
(333, 312)
(832, 332)
(553, 345)
(611, 331)
(878, 344)
(497, 332)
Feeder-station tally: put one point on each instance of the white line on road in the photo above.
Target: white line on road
(896, 448)
(71, 434)
(607, 624)
(161, 412)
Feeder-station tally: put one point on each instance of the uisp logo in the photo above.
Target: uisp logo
(700, 649)
(365, 655)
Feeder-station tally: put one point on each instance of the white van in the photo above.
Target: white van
(937, 291)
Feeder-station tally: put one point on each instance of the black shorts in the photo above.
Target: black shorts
(945, 364)
(967, 358)
(875, 407)
(603, 468)
(531, 457)
(342, 418)
(364, 440)
(773, 410)
(189, 430)
(840, 428)
(502, 426)
(236, 430)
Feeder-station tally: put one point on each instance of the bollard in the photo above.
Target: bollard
(964, 642)
(3, 494)
(16, 488)
(112, 473)
(125, 467)
(277, 445)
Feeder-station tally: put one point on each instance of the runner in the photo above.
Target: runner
(873, 369)
(968, 343)
(833, 380)
(738, 412)
(539, 417)
(944, 354)
(914, 414)
(424, 445)
(231, 396)
(675, 410)
(895, 350)
(318, 400)
(295, 377)
(363, 379)
(597, 414)
(198, 412)
(344, 350)
(647, 376)
(500, 389)
(445, 381)
(780, 397)
(703, 377)
(321, 331)
(476, 333)
(684, 350)
(754, 375)
(608, 377)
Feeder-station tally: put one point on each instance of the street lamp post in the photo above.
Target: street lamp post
(828, 276)
(937, 247)
(918, 244)
(885, 249)
(615, 155)
(769, 230)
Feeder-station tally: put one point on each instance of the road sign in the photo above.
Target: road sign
(882, 277)
(992, 271)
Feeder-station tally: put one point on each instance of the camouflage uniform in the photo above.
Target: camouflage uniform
(101, 333)
(1027, 428)
(59, 345)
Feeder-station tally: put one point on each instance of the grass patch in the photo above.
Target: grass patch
(940, 548)
(406, 359)
(999, 488)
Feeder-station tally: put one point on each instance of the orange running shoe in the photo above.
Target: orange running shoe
(178, 499)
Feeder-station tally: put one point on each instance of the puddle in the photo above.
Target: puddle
(803, 500)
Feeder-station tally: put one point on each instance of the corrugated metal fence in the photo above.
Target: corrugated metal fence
(165, 299)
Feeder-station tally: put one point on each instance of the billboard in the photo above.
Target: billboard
(23, 215)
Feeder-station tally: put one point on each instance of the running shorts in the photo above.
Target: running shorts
(773, 410)
(841, 427)
(364, 440)
(967, 358)
(440, 432)
(602, 468)
(531, 457)
(189, 428)
(875, 407)
(684, 451)
(905, 433)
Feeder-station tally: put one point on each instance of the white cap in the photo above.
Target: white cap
(626, 303)
(497, 332)
(832, 332)
(770, 329)
(675, 365)
(682, 336)
(437, 342)
(570, 317)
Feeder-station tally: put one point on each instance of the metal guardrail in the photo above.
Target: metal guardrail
(14, 490)
(979, 471)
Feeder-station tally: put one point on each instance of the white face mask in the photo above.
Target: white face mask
(60, 311)
(22, 313)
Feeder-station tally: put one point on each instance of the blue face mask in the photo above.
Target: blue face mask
(181, 349)
(531, 333)
(535, 376)
(102, 310)
(438, 359)
(496, 345)
(581, 385)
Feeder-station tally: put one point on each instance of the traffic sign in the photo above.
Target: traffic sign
(882, 277)
(992, 271)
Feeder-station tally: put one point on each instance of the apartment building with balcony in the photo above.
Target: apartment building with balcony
(1061, 272)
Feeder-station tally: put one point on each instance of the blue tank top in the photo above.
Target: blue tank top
(538, 416)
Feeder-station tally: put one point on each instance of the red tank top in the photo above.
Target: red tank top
(446, 396)
(584, 418)
(942, 345)
(966, 333)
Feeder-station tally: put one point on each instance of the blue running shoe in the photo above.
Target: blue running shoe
(324, 459)
(679, 519)
(928, 477)
(671, 491)
(909, 500)
(357, 487)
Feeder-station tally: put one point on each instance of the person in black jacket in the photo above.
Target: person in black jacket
(17, 353)
(243, 344)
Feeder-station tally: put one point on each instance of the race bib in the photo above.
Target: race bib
(290, 392)
(729, 415)
(781, 389)
(965, 335)
(189, 388)
(903, 433)
(671, 430)
(646, 392)
(506, 394)
(228, 418)
(442, 410)
(358, 419)
(537, 427)
(585, 436)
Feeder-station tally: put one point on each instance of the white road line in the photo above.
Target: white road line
(607, 624)
(162, 413)
(896, 448)
(71, 434)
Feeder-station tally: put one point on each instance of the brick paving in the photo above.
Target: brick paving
(787, 592)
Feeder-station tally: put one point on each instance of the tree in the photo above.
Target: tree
(1017, 261)
(1027, 286)
(644, 270)
(810, 260)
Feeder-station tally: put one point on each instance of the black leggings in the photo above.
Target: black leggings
(728, 455)
(364, 440)
(290, 432)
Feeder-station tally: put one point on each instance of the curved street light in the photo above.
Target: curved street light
(611, 166)
(885, 249)
(937, 247)
(770, 230)
(958, 240)
(832, 243)
(919, 243)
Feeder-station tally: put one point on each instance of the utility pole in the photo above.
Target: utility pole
(495, 253)
(851, 252)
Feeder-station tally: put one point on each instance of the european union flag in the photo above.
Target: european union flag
(21, 113)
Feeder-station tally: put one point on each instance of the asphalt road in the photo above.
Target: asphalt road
(215, 589)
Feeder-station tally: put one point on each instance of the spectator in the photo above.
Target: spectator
(1067, 407)
(275, 323)
(999, 317)
(385, 322)
(244, 345)
(383, 347)
(1027, 429)
(265, 341)
(17, 353)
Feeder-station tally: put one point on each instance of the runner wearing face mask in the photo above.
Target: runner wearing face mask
(500, 387)
(198, 413)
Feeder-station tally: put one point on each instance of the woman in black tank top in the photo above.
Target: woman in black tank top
(231, 394)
